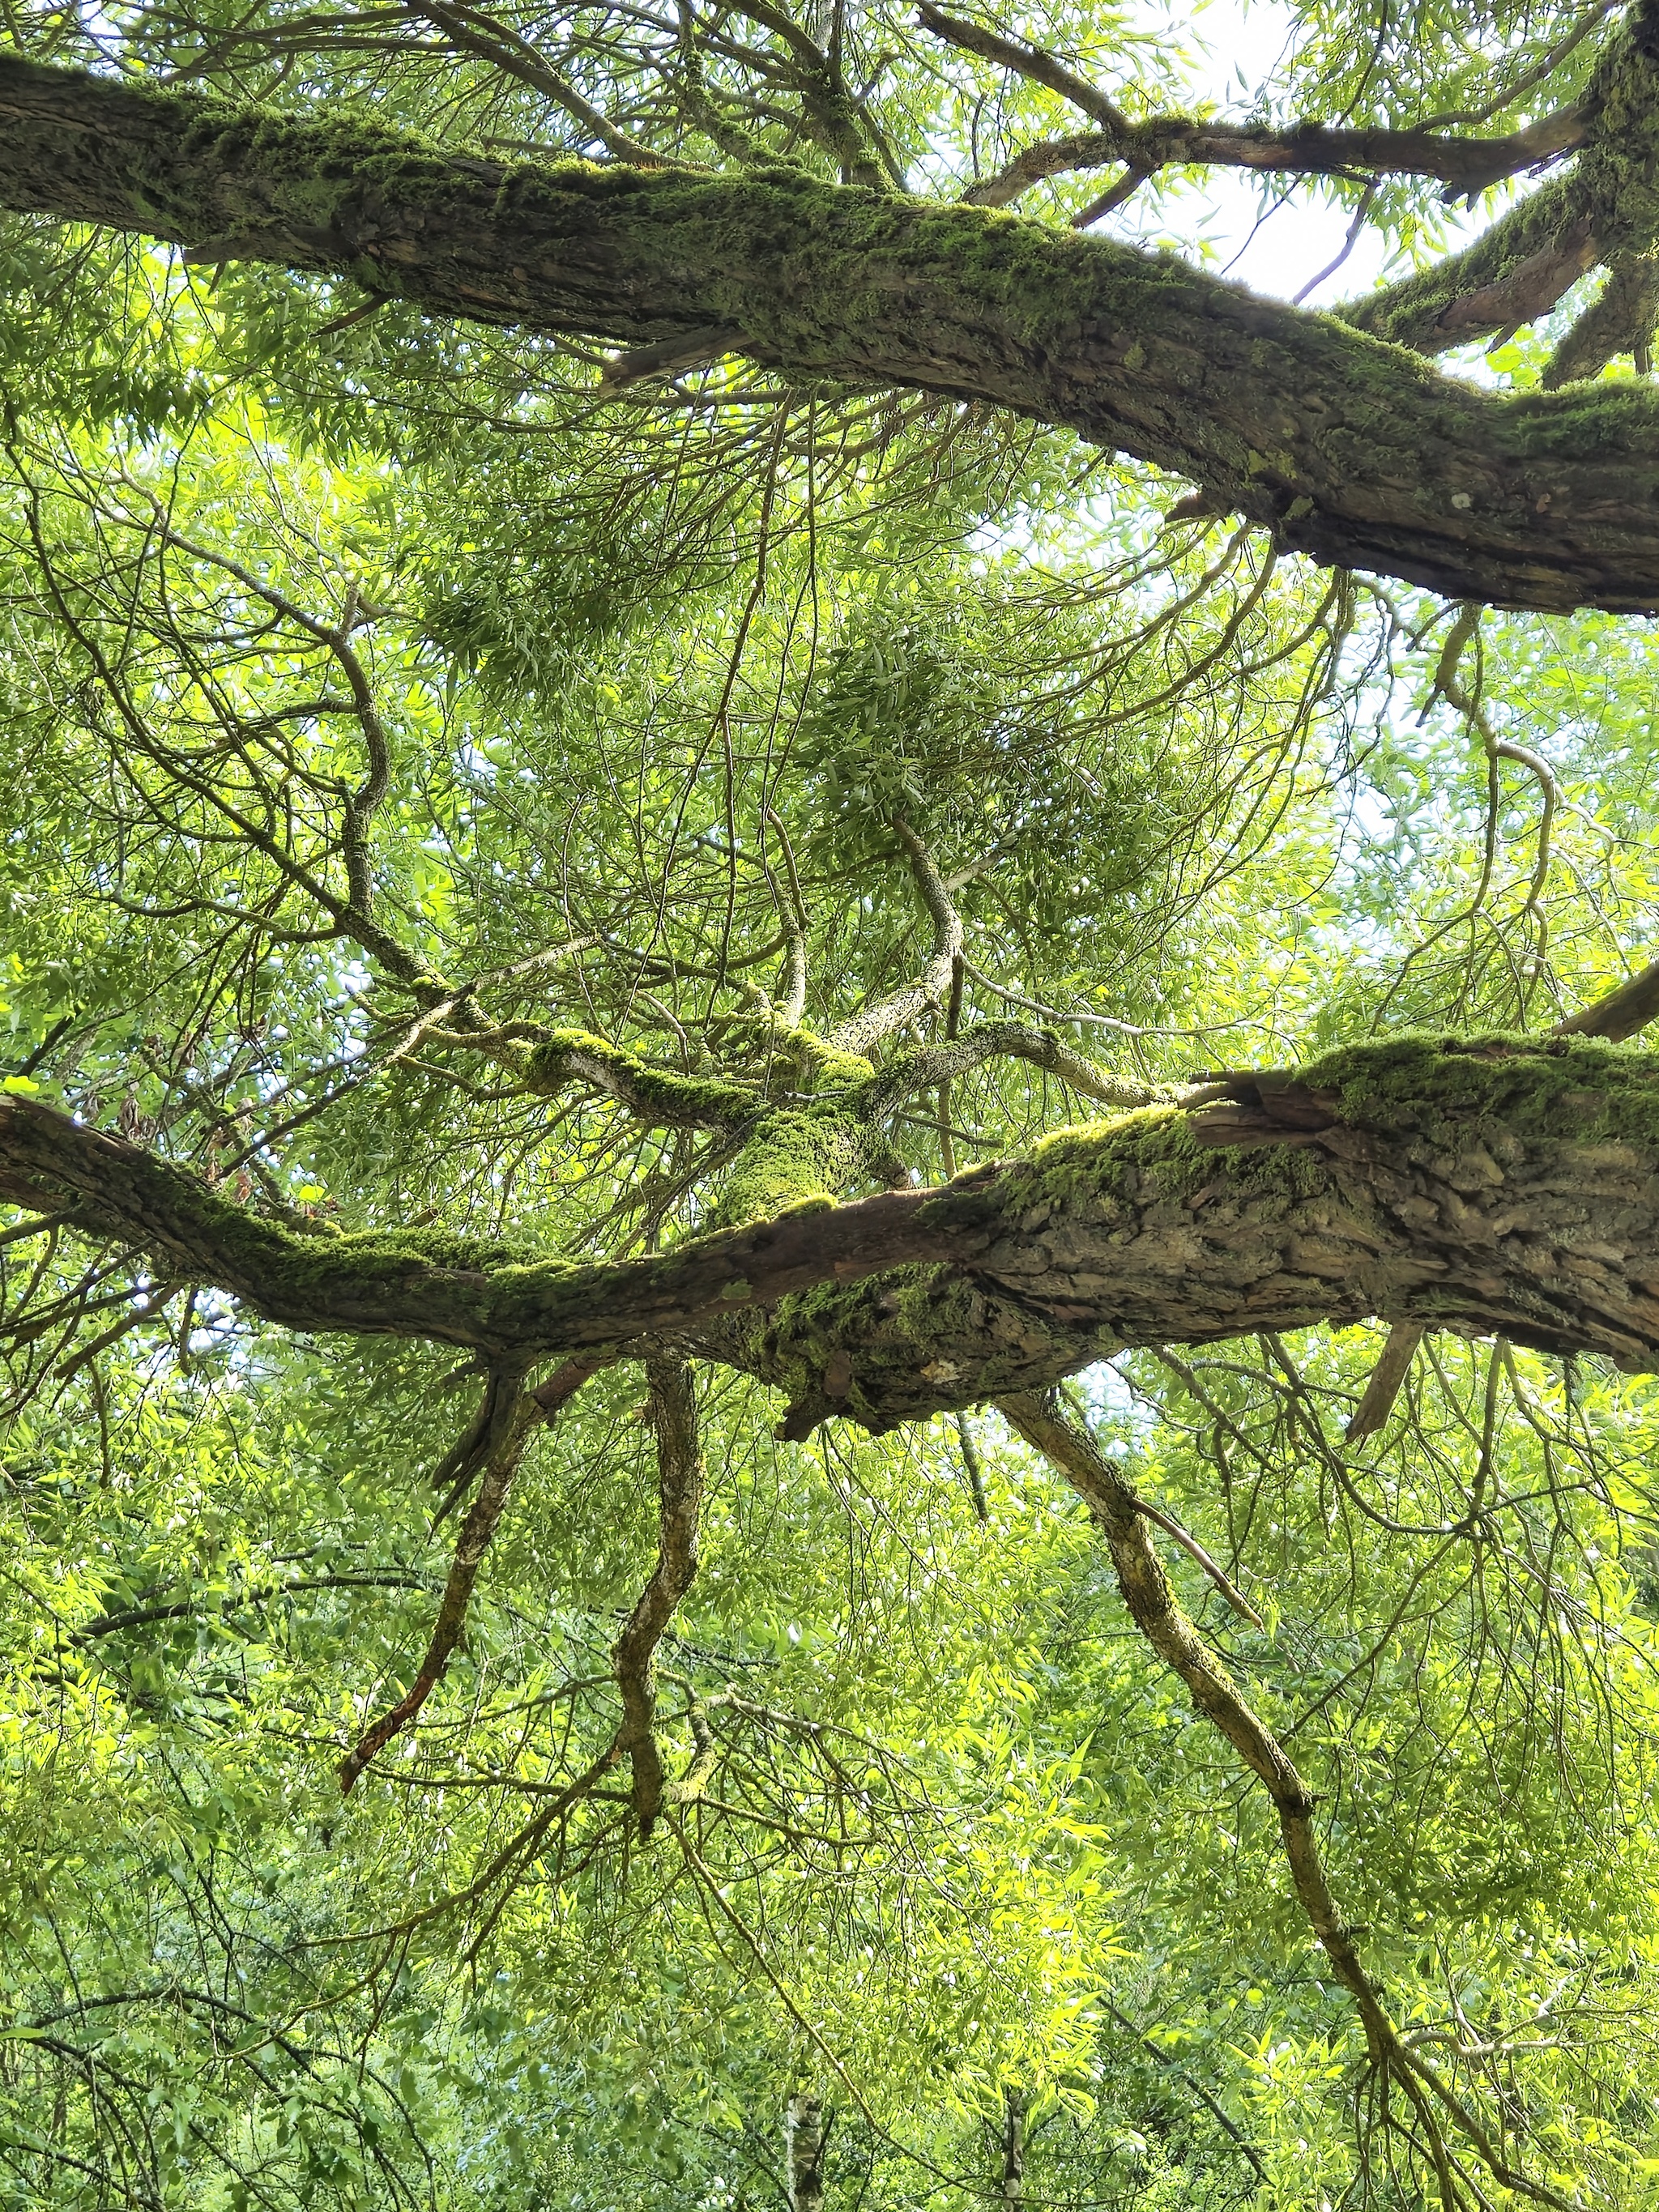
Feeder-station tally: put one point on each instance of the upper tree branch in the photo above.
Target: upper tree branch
(473, 32)
(1604, 210)
(933, 987)
(1304, 148)
(920, 1071)
(1352, 453)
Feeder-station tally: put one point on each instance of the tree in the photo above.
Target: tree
(425, 734)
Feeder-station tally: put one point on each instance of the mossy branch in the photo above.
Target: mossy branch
(660, 1097)
(1353, 452)
(987, 1040)
(1503, 1185)
(679, 1493)
(1153, 1606)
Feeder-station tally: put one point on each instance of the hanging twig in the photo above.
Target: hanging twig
(680, 1475)
(510, 1415)
(1152, 1607)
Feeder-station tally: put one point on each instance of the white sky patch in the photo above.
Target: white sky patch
(1274, 235)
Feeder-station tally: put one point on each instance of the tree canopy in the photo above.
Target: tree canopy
(829, 1265)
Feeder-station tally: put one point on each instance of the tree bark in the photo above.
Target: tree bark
(1479, 1187)
(1012, 2177)
(1355, 451)
(803, 2147)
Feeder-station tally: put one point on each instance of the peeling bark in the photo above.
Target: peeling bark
(1354, 451)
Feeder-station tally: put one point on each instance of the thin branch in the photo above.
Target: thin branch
(933, 987)
(679, 1476)
(921, 1071)
(511, 1419)
(497, 42)
(1153, 1608)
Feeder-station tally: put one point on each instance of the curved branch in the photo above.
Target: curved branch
(1487, 1188)
(679, 1491)
(933, 986)
(1152, 1607)
(1302, 148)
(511, 1416)
(1351, 452)
(920, 1071)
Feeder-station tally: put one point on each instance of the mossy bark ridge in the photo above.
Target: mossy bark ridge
(1488, 1186)
(1354, 450)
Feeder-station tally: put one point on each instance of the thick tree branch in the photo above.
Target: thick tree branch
(1386, 1381)
(1484, 1188)
(1350, 451)
(1622, 1012)
(1606, 209)
(1620, 319)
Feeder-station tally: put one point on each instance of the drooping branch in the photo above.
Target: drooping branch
(1153, 1608)
(679, 1489)
(511, 1416)
(1350, 451)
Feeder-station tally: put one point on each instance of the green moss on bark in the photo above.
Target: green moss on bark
(795, 1155)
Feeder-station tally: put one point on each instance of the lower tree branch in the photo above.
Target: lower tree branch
(1622, 1012)
(1620, 319)
(1489, 1188)
(512, 1416)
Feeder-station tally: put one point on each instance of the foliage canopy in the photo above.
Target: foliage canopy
(477, 805)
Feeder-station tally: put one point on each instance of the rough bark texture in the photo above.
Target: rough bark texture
(1476, 1186)
(803, 2151)
(1353, 450)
